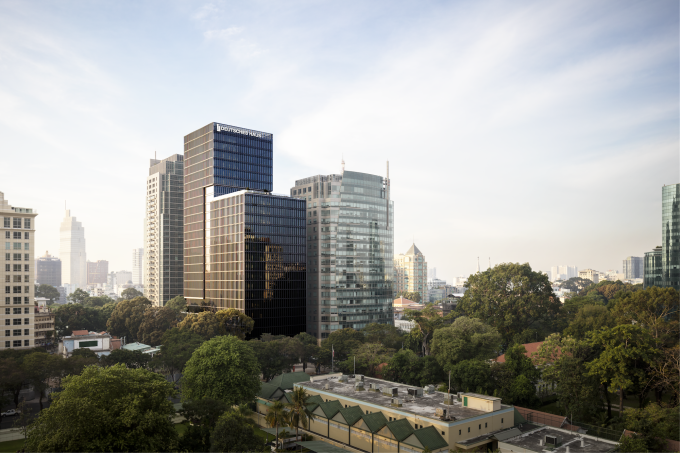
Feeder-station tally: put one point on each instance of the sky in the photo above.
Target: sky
(524, 131)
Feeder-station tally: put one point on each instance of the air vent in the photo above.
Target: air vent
(343, 378)
(448, 399)
(359, 386)
(359, 377)
(396, 402)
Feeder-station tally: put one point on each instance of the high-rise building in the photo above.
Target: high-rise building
(350, 242)
(96, 272)
(410, 273)
(670, 236)
(563, 273)
(432, 273)
(244, 248)
(138, 265)
(124, 278)
(653, 275)
(48, 270)
(72, 252)
(589, 274)
(633, 267)
(18, 274)
(164, 236)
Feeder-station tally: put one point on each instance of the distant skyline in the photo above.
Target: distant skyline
(537, 132)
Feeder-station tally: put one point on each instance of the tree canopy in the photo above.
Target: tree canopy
(177, 346)
(48, 292)
(465, 339)
(130, 293)
(208, 324)
(127, 317)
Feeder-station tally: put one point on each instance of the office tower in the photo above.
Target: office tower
(72, 252)
(96, 272)
(164, 236)
(123, 278)
(243, 247)
(350, 242)
(670, 236)
(410, 270)
(563, 273)
(633, 267)
(138, 262)
(18, 273)
(48, 270)
(653, 275)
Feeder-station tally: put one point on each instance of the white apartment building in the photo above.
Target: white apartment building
(137, 276)
(590, 274)
(18, 274)
(72, 252)
(563, 273)
(410, 272)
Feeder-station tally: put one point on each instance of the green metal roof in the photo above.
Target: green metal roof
(319, 446)
(429, 437)
(136, 347)
(288, 396)
(519, 419)
(286, 381)
(266, 403)
(351, 414)
(331, 408)
(375, 421)
(312, 407)
(314, 399)
(267, 390)
(401, 429)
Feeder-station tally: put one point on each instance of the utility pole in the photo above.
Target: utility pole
(332, 359)
(355, 365)
(449, 381)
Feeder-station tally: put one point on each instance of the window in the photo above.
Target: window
(459, 432)
(27, 246)
(16, 222)
(16, 256)
(480, 426)
(25, 267)
(26, 235)
(17, 278)
(16, 343)
(87, 344)
(26, 257)
(468, 429)
(7, 311)
(25, 300)
(442, 433)
(16, 332)
(27, 289)
(7, 235)
(7, 278)
(27, 342)
(27, 224)
(26, 280)
(7, 321)
(7, 343)
(7, 267)
(7, 333)
(7, 255)
(7, 289)
(501, 420)
(27, 321)
(6, 222)
(16, 310)
(16, 321)
(17, 268)
(17, 300)
(26, 332)
(16, 234)
(8, 246)
(26, 310)
(7, 300)
(485, 425)
(16, 289)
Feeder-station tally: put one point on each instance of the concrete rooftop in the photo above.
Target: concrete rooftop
(530, 441)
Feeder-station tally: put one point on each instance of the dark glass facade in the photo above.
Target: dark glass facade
(48, 271)
(670, 236)
(350, 237)
(653, 275)
(244, 247)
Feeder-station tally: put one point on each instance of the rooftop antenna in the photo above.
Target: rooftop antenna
(478, 265)
(489, 262)
(343, 164)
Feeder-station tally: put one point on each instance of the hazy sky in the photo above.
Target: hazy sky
(537, 132)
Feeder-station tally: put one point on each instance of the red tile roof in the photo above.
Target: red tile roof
(531, 348)
(80, 332)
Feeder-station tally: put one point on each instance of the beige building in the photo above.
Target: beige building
(43, 323)
(593, 276)
(410, 273)
(18, 274)
(374, 415)
(72, 252)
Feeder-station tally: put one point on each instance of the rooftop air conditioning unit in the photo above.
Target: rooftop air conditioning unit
(448, 399)
(343, 378)
(394, 391)
(327, 386)
(430, 389)
(551, 440)
(358, 386)
(359, 377)
(396, 402)
(460, 396)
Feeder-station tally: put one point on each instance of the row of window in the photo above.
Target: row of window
(17, 321)
(17, 310)
(17, 279)
(15, 222)
(17, 300)
(17, 343)
(16, 332)
(16, 246)
(16, 235)
(16, 289)
(17, 257)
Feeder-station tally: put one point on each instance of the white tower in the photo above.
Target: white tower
(72, 252)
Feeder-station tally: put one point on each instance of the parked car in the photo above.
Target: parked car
(10, 413)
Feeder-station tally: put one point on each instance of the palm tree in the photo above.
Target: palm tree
(299, 413)
(276, 415)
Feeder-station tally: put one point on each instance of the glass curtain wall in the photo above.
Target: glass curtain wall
(670, 259)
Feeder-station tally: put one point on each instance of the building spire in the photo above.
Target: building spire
(342, 164)
(489, 262)
(478, 265)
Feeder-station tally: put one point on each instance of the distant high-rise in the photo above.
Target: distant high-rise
(48, 270)
(653, 275)
(432, 273)
(72, 252)
(163, 260)
(123, 278)
(633, 267)
(97, 271)
(350, 243)
(563, 273)
(18, 274)
(670, 235)
(137, 266)
(244, 248)
(589, 274)
(410, 273)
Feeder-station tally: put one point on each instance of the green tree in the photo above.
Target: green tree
(589, 318)
(276, 415)
(368, 357)
(310, 348)
(176, 349)
(39, 367)
(222, 368)
(70, 317)
(108, 409)
(200, 419)
(177, 303)
(654, 424)
(562, 362)
(402, 367)
(470, 375)
(654, 308)
(576, 284)
(465, 339)
(131, 359)
(130, 293)
(427, 321)
(276, 356)
(343, 342)
(414, 296)
(234, 433)
(510, 297)
(155, 322)
(209, 324)
(127, 316)
(298, 410)
(48, 292)
(386, 334)
(12, 375)
(78, 296)
(626, 352)
(98, 301)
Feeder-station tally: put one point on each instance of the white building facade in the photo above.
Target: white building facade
(72, 253)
